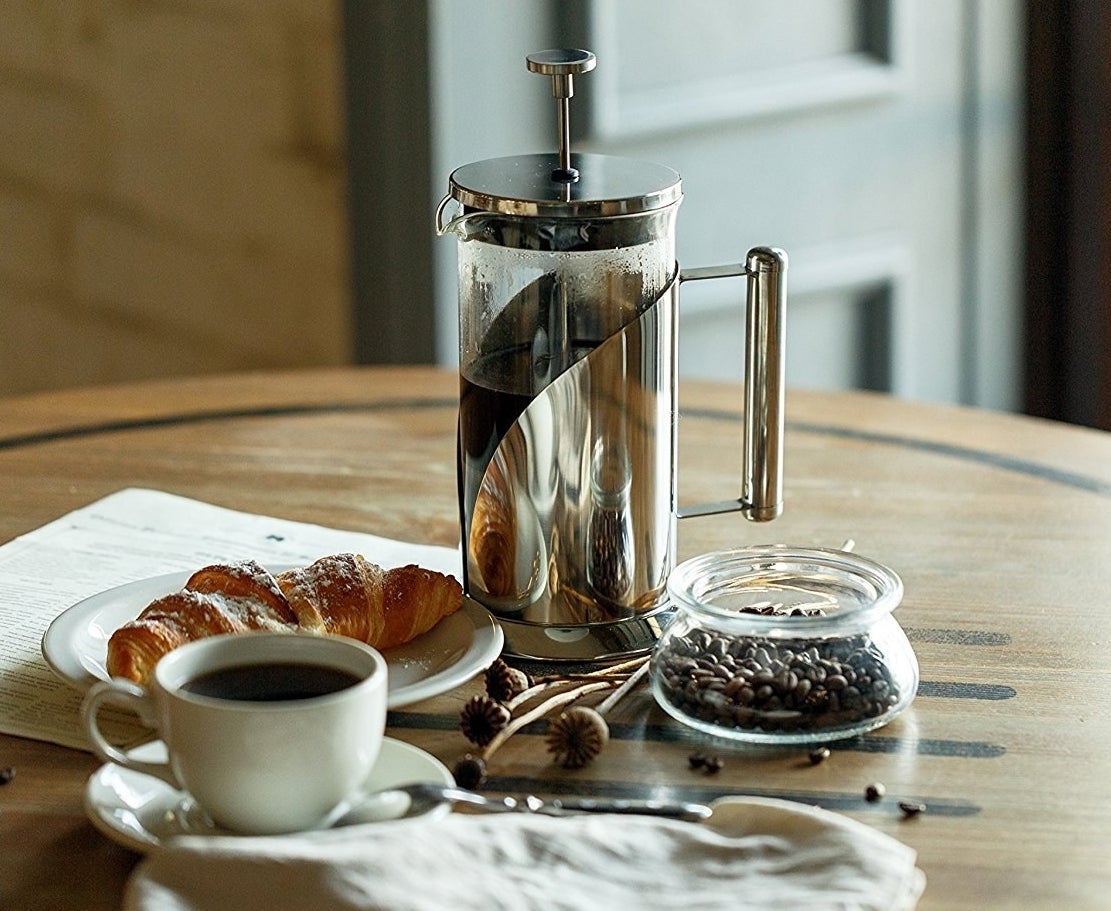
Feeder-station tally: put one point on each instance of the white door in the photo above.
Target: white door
(877, 141)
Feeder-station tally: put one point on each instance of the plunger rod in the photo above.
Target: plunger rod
(562, 65)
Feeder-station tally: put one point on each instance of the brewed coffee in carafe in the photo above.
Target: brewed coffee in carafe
(568, 297)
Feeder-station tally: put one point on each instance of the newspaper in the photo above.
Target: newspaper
(129, 536)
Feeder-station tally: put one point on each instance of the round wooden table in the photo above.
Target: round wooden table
(999, 525)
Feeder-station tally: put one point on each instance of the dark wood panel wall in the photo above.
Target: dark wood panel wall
(388, 106)
(1068, 256)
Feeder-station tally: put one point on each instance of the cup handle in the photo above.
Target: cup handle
(127, 695)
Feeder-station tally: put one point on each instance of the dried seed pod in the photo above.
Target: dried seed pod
(874, 791)
(577, 736)
(470, 772)
(911, 808)
(6, 775)
(482, 718)
(504, 682)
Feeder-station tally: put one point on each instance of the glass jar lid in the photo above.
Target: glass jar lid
(606, 186)
(761, 586)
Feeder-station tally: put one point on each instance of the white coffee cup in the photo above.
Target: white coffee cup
(260, 767)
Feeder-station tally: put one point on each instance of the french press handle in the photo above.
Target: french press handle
(765, 333)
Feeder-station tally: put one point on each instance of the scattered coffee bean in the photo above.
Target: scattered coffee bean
(819, 755)
(874, 791)
(759, 683)
(708, 764)
(6, 775)
(911, 808)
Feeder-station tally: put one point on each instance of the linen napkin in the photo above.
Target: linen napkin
(754, 853)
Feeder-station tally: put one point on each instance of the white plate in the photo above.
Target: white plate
(454, 650)
(142, 813)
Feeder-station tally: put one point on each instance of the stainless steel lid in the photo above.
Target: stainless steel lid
(564, 185)
(606, 186)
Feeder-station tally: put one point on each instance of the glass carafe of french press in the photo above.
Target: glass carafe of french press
(568, 305)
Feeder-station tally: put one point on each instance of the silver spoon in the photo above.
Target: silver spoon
(416, 799)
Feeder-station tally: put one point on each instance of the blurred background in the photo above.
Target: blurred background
(198, 186)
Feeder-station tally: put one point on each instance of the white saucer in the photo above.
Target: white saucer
(142, 813)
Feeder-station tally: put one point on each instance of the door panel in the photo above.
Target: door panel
(673, 67)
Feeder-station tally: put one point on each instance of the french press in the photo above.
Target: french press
(568, 309)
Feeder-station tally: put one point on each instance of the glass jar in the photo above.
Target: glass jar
(778, 644)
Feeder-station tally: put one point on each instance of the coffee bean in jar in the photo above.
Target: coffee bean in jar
(784, 645)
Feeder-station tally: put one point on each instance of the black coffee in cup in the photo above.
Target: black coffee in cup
(270, 682)
(269, 732)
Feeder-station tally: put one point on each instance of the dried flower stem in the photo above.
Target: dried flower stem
(542, 684)
(612, 699)
(629, 665)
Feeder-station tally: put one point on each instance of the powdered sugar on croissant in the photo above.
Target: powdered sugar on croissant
(342, 595)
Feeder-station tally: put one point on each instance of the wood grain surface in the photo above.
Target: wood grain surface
(999, 525)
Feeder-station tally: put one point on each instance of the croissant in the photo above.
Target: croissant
(339, 595)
